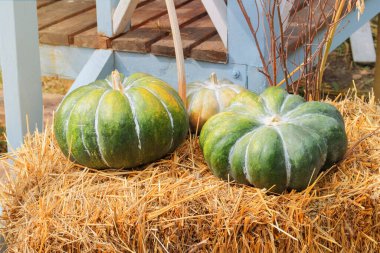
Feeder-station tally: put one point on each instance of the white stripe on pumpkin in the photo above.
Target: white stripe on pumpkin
(134, 115)
(96, 127)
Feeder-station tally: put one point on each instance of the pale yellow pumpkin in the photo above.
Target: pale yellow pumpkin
(207, 98)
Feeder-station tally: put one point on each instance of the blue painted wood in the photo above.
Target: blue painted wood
(241, 46)
(62, 61)
(165, 68)
(100, 64)
(104, 13)
(21, 69)
(256, 81)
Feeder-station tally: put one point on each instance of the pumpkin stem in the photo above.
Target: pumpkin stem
(213, 78)
(116, 83)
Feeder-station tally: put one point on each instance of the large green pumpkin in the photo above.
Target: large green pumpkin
(121, 122)
(274, 140)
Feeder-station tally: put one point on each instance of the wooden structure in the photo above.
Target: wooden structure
(86, 39)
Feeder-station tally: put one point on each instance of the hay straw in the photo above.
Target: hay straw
(177, 205)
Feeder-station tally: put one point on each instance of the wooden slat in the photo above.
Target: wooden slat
(150, 11)
(192, 35)
(63, 32)
(42, 3)
(91, 39)
(141, 39)
(61, 10)
(212, 50)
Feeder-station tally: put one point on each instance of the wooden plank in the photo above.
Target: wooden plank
(42, 3)
(192, 35)
(212, 50)
(141, 39)
(122, 15)
(21, 69)
(91, 39)
(362, 45)
(217, 10)
(61, 10)
(63, 32)
(151, 11)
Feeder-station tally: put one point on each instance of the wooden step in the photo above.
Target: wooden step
(61, 10)
(141, 39)
(192, 35)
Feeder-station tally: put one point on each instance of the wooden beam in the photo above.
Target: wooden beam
(99, 66)
(362, 45)
(20, 61)
(122, 15)
(376, 85)
(104, 12)
(217, 10)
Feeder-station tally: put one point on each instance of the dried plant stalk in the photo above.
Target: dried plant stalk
(320, 15)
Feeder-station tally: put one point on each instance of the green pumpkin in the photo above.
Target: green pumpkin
(274, 140)
(205, 99)
(120, 122)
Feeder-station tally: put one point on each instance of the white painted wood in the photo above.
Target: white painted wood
(104, 13)
(217, 10)
(362, 45)
(100, 65)
(21, 69)
(122, 15)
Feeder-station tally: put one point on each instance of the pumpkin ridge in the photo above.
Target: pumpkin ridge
(284, 102)
(66, 128)
(96, 127)
(288, 164)
(133, 110)
(83, 142)
(217, 97)
(246, 155)
(167, 111)
(232, 149)
(136, 80)
(311, 115)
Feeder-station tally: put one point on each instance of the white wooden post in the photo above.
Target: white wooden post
(114, 16)
(122, 15)
(104, 12)
(362, 45)
(21, 68)
(217, 10)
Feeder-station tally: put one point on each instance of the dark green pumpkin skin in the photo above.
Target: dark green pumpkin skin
(275, 141)
(100, 127)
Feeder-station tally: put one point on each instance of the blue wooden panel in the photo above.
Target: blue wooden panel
(241, 46)
(165, 68)
(65, 62)
(21, 69)
(100, 64)
(256, 80)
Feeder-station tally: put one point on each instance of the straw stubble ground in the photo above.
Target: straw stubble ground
(177, 205)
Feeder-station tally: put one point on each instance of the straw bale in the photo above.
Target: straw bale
(177, 205)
